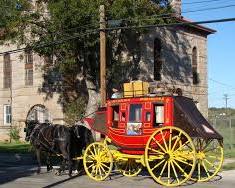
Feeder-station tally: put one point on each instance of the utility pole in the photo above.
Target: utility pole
(102, 55)
(226, 103)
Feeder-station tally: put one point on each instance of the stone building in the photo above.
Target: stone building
(20, 99)
(175, 55)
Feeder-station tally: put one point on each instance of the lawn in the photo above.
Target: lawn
(229, 153)
(15, 147)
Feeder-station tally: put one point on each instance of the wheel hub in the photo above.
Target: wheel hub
(168, 156)
(201, 155)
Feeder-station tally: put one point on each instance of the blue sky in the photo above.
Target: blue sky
(221, 50)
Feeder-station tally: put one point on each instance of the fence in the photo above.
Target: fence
(226, 127)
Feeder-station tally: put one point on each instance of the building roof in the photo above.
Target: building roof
(196, 26)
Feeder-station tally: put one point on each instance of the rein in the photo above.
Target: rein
(36, 137)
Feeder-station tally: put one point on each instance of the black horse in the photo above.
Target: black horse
(57, 139)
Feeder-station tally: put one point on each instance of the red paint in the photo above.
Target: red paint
(135, 144)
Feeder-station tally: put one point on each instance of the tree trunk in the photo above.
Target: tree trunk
(94, 98)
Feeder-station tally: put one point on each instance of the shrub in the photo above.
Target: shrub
(14, 133)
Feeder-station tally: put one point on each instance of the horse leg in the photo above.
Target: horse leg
(67, 157)
(49, 166)
(61, 168)
(39, 160)
(79, 165)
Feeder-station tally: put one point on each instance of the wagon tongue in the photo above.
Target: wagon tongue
(188, 117)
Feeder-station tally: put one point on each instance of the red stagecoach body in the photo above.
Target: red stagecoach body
(129, 122)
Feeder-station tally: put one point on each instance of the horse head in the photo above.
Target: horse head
(83, 135)
(30, 125)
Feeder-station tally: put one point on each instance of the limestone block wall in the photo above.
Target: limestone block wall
(176, 54)
(21, 97)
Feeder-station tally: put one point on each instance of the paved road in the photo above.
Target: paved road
(22, 175)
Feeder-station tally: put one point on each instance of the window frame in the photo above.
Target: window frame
(156, 124)
(7, 115)
(7, 71)
(141, 113)
(29, 77)
(195, 73)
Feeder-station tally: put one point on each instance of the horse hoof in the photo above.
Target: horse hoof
(57, 173)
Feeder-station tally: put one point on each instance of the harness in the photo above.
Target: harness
(35, 136)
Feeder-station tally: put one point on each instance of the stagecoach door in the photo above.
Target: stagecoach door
(134, 124)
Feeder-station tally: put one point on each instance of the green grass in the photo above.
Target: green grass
(15, 147)
(229, 153)
(229, 166)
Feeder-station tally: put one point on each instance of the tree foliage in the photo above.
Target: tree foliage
(69, 63)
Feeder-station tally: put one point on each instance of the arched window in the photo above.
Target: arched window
(39, 113)
(157, 59)
(195, 66)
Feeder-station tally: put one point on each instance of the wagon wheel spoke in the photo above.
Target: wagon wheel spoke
(176, 176)
(182, 161)
(163, 169)
(159, 145)
(170, 140)
(210, 159)
(101, 166)
(164, 141)
(156, 151)
(185, 144)
(169, 172)
(157, 165)
(176, 161)
(180, 168)
(177, 140)
(129, 168)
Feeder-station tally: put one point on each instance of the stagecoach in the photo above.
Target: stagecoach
(163, 133)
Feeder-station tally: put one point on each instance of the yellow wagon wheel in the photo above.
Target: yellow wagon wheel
(129, 167)
(98, 161)
(210, 156)
(170, 156)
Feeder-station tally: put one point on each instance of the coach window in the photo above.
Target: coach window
(158, 115)
(123, 116)
(135, 113)
(115, 116)
(147, 116)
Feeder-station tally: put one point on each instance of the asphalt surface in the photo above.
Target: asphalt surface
(20, 172)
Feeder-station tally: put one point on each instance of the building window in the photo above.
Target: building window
(28, 68)
(7, 114)
(7, 71)
(39, 113)
(157, 59)
(195, 66)
(28, 77)
(28, 57)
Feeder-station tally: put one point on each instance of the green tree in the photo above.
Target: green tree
(72, 66)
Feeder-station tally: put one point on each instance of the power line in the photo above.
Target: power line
(201, 2)
(206, 9)
(51, 43)
(118, 28)
(221, 83)
(169, 15)
(171, 24)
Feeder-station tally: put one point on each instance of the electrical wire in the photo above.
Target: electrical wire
(51, 43)
(171, 24)
(119, 28)
(201, 2)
